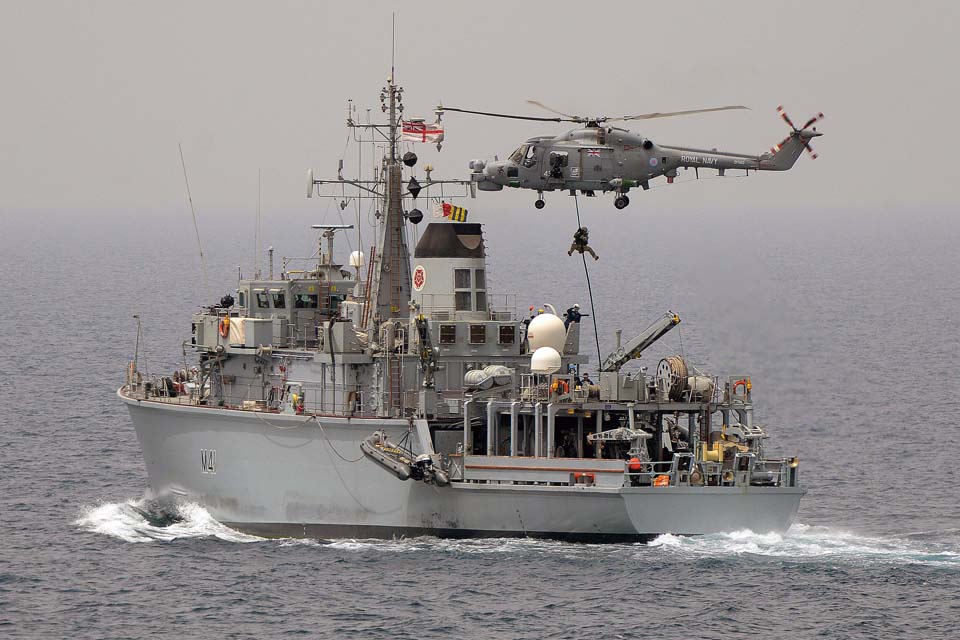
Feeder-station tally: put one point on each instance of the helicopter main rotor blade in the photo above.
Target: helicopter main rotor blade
(670, 114)
(559, 113)
(498, 115)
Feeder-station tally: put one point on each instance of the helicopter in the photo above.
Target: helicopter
(599, 157)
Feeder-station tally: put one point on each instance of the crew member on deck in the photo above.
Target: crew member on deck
(572, 315)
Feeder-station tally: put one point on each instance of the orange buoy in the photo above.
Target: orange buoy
(634, 465)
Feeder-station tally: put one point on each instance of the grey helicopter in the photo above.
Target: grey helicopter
(596, 157)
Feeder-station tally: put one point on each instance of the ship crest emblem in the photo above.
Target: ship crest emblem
(419, 277)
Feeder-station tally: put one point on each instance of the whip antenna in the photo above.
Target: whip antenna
(196, 227)
(256, 231)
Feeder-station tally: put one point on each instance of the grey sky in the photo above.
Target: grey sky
(96, 95)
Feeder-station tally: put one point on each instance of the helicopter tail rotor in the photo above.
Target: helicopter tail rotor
(802, 134)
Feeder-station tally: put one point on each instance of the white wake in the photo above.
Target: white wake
(804, 542)
(137, 521)
(127, 521)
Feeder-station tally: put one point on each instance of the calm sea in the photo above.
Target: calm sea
(848, 324)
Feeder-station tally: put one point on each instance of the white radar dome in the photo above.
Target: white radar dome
(356, 259)
(545, 360)
(547, 330)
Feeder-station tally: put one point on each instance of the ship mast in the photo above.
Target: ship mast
(389, 290)
(390, 286)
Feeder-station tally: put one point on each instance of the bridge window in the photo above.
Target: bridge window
(305, 301)
(262, 301)
(462, 299)
(243, 299)
(279, 300)
(334, 304)
(478, 334)
(448, 334)
(479, 278)
(481, 301)
(508, 334)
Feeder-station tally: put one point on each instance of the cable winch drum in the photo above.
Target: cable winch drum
(672, 377)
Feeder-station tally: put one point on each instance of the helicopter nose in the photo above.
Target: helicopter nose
(486, 174)
(492, 168)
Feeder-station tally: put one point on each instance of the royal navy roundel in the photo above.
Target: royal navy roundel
(419, 277)
(653, 162)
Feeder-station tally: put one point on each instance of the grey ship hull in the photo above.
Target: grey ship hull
(282, 475)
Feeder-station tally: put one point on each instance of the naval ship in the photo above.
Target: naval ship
(397, 396)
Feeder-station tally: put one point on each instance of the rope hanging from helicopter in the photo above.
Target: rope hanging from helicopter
(586, 271)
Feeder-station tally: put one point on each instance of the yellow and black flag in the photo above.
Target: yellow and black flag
(447, 210)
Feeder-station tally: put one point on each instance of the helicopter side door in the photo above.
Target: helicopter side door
(571, 169)
(596, 167)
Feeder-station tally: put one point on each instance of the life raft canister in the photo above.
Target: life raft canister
(224, 326)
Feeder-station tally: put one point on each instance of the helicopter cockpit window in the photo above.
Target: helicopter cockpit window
(517, 155)
(530, 157)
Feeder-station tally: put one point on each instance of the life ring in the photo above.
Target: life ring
(745, 383)
(224, 326)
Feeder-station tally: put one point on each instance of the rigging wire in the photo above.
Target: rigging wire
(302, 424)
(282, 427)
(330, 444)
(680, 336)
(586, 271)
(196, 227)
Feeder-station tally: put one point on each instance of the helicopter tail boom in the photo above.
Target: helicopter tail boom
(785, 154)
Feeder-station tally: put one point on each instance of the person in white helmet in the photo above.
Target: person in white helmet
(572, 315)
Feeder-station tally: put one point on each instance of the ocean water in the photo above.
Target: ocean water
(847, 322)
